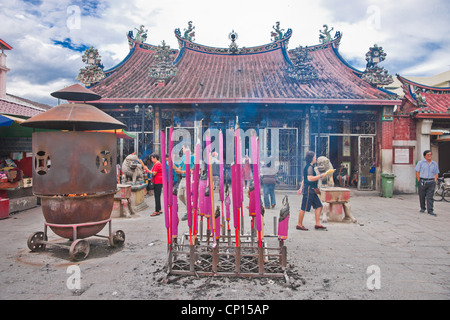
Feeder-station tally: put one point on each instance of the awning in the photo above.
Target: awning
(10, 127)
(5, 121)
(439, 132)
(120, 133)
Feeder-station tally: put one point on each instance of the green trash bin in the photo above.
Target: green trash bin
(387, 184)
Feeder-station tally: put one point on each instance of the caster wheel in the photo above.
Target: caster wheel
(36, 242)
(118, 238)
(79, 250)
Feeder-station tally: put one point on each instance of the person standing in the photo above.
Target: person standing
(268, 181)
(156, 172)
(247, 171)
(310, 190)
(426, 174)
(182, 174)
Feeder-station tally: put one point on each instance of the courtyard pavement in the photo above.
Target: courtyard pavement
(392, 252)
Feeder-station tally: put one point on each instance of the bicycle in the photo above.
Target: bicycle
(442, 190)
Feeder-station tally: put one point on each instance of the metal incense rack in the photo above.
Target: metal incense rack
(229, 260)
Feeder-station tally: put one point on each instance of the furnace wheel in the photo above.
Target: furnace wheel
(36, 241)
(79, 250)
(117, 239)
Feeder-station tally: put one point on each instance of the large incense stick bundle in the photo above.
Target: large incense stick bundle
(257, 191)
(165, 184)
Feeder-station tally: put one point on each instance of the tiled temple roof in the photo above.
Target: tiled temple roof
(21, 107)
(435, 105)
(251, 75)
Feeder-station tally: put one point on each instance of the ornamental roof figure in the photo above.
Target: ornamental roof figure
(189, 33)
(162, 67)
(302, 70)
(141, 34)
(374, 74)
(93, 71)
(325, 36)
(278, 34)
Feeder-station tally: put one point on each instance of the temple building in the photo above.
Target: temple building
(422, 122)
(310, 95)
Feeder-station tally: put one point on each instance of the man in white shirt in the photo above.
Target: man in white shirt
(426, 174)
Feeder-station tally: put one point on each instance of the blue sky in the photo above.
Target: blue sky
(49, 36)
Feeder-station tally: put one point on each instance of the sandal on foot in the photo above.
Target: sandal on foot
(155, 214)
(301, 228)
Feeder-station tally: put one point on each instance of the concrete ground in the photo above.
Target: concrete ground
(392, 252)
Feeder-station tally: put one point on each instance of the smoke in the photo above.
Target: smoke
(269, 153)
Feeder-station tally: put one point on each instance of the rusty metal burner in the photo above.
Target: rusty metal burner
(75, 171)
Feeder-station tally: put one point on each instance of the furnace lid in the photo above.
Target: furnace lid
(76, 92)
(74, 117)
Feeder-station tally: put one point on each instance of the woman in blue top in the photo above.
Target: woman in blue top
(310, 197)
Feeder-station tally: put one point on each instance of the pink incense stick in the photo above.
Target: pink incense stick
(211, 187)
(174, 216)
(283, 222)
(187, 159)
(251, 202)
(165, 189)
(170, 186)
(195, 187)
(236, 218)
(222, 190)
(257, 191)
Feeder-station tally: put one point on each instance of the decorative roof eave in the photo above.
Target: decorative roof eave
(437, 115)
(425, 110)
(4, 45)
(186, 44)
(353, 102)
(403, 80)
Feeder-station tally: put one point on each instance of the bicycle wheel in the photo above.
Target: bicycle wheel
(446, 195)
(438, 194)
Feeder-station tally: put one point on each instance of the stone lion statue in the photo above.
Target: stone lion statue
(323, 165)
(132, 170)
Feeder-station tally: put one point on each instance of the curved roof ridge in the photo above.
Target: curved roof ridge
(278, 44)
(133, 44)
(111, 70)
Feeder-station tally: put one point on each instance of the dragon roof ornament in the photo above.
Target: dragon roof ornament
(278, 34)
(325, 35)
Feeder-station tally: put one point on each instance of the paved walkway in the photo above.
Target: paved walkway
(392, 252)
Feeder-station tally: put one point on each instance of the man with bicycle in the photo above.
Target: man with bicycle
(427, 172)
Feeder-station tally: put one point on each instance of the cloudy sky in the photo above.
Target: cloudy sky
(49, 36)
